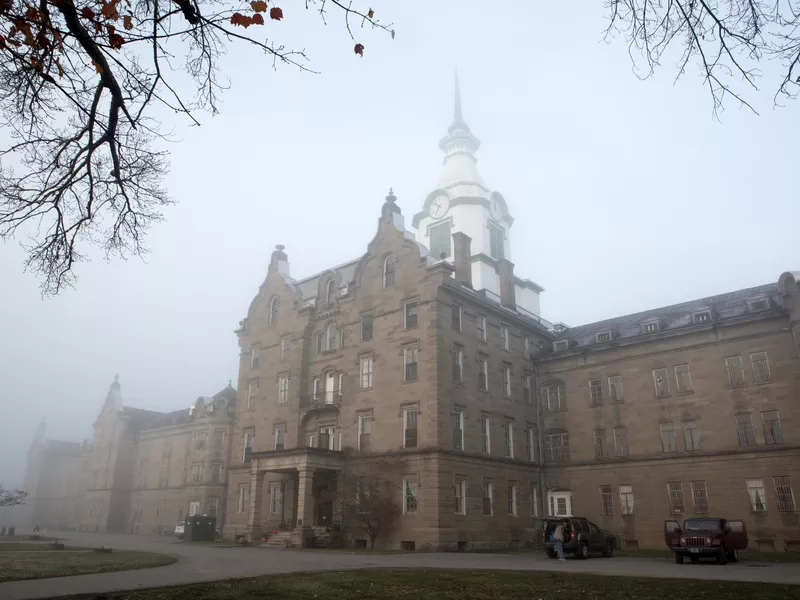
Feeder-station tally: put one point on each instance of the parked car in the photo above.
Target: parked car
(707, 537)
(179, 529)
(581, 537)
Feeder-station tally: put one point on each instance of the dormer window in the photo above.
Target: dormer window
(651, 327)
(702, 317)
(758, 304)
(602, 336)
(561, 345)
(330, 292)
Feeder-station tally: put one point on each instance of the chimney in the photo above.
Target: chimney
(462, 257)
(507, 291)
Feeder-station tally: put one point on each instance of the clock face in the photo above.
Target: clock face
(439, 207)
(496, 210)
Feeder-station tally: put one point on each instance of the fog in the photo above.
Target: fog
(626, 194)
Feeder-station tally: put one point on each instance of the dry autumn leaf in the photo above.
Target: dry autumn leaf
(359, 49)
(371, 13)
(97, 67)
(109, 11)
(241, 20)
(258, 6)
(275, 13)
(127, 21)
(257, 19)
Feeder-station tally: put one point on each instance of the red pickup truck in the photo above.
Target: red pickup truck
(706, 537)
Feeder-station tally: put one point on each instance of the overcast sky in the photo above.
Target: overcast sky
(626, 195)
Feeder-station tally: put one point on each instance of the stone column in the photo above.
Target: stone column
(254, 510)
(301, 537)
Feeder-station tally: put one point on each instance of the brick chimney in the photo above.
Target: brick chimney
(462, 258)
(507, 291)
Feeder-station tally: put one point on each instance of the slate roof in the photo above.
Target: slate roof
(724, 306)
(309, 286)
(176, 417)
(229, 393)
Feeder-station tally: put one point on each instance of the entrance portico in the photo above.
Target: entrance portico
(314, 472)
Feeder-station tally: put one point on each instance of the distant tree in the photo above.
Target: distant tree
(79, 80)
(371, 504)
(11, 497)
(726, 38)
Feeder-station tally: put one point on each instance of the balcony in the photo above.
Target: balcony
(321, 401)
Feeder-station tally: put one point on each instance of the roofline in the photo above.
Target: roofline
(344, 264)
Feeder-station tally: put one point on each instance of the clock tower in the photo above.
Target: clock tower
(462, 202)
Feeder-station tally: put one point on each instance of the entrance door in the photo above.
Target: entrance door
(325, 513)
(329, 381)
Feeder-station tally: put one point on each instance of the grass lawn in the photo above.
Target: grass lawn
(431, 585)
(745, 556)
(39, 563)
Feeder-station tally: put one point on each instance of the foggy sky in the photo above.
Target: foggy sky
(626, 195)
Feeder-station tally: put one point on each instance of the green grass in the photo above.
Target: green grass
(25, 546)
(745, 556)
(431, 585)
(38, 564)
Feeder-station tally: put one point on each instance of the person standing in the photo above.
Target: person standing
(558, 536)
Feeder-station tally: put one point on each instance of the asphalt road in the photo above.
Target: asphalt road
(197, 563)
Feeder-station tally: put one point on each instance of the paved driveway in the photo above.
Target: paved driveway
(205, 563)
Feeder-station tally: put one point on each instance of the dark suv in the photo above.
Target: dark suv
(707, 537)
(581, 537)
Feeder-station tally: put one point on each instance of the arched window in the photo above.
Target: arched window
(320, 342)
(556, 446)
(273, 310)
(389, 266)
(331, 337)
(552, 396)
(330, 292)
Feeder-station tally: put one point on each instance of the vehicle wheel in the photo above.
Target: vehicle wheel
(733, 556)
(679, 558)
(609, 550)
(722, 557)
(583, 551)
(694, 559)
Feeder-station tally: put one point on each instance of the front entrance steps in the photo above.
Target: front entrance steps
(281, 539)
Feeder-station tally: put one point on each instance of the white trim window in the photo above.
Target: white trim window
(455, 316)
(247, 445)
(283, 389)
(527, 392)
(512, 500)
(273, 310)
(486, 434)
(252, 389)
(331, 337)
(483, 374)
(410, 360)
(410, 316)
(758, 497)
(531, 443)
(458, 429)
(481, 327)
(280, 438)
(460, 495)
(243, 501)
(458, 364)
(275, 498)
(285, 347)
(410, 431)
(330, 292)
(661, 383)
(365, 370)
(760, 364)
(596, 392)
(526, 347)
(508, 437)
(735, 369)
(626, 500)
(615, 391)
(255, 353)
(389, 271)
(504, 335)
(506, 381)
(367, 325)
(533, 490)
(409, 495)
(683, 379)
(364, 433)
(488, 497)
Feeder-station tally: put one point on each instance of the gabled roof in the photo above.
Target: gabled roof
(228, 392)
(176, 417)
(309, 286)
(139, 417)
(725, 306)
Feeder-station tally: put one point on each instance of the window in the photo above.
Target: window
(440, 240)
(280, 436)
(486, 432)
(330, 292)
(772, 427)
(650, 327)
(284, 348)
(320, 342)
(504, 336)
(458, 429)
(455, 317)
(283, 389)
(315, 385)
(481, 327)
(675, 492)
(506, 381)
(244, 498)
(531, 444)
(213, 507)
(487, 498)
(661, 382)
(626, 499)
(552, 397)
(365, 369)
(331, 336)
(620, 442)
(458, 365)
(561, 345)
(216, 471)
(784, 494)
(364, 433)
(596, 392)
(701, 317)
(615, 389)
(699, 497)
(669, 442)
(389, 268)
(758, 498)
(757, 304)
(252, 388)
(512, 500)
(735, 371)
(460, 496)
(199, 440)
(273, 311)
(683, 379)
(275, 498)
(217, 439)
(556, 446)
(600, 444)
(409, 495)
(410, 428)
(527, 396)
(410, 312)
(526, 347)
(534, 494)
(691, 435)
(496, 242)
(606, 501)
(508, 437)
(410, 360)
(197, 473)
(366, 327)
(483, 374)
(255, 353)
(745, 429)
(247, 446)
(760, 367)
(603, 336)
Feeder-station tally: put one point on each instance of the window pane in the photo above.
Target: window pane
(735, 370)
(745, 430)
